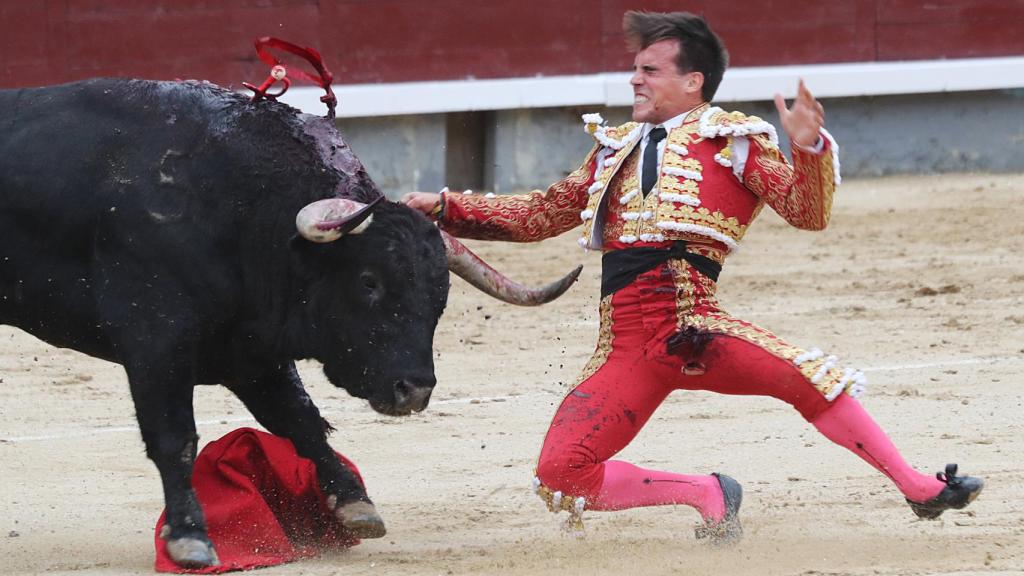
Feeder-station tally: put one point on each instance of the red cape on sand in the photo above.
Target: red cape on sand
(262, 502)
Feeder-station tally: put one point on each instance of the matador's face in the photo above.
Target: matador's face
(660, 90)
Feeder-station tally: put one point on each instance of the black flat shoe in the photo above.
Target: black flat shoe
(958, 493)
(728, 530)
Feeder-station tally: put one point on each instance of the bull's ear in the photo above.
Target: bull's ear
(329, 219)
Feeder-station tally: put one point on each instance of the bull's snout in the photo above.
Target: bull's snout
(411, 396)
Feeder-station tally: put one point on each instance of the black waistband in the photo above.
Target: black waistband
(620, 267)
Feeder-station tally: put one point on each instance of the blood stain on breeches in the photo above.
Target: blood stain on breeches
(690, 344)
(630, 415)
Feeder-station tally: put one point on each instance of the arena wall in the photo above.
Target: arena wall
(438, 93)
(386, 41)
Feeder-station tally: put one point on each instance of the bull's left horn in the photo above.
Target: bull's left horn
(329, 219)
(468, 266)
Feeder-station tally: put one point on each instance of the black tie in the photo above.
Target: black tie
(650, 167)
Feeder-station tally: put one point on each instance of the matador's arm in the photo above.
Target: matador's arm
(801, 193)
(524, 217)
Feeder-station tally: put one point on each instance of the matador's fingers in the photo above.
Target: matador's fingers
(802, 93)
(780, 105)
(807, 100)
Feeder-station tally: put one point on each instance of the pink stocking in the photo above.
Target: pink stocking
(629, 486)
(847, 423)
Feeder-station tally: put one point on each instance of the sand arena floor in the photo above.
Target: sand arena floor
(919, 280)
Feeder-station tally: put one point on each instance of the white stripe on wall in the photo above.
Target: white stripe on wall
(613, 89)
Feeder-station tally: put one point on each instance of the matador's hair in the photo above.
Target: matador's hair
(700, 49)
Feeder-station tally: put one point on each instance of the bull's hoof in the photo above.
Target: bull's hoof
(362, 519)
(192, 553)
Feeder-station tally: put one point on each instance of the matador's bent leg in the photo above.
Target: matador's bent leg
(597, 420)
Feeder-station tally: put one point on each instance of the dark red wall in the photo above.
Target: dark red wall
(52, 41)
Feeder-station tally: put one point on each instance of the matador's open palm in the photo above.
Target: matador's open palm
(804, 120)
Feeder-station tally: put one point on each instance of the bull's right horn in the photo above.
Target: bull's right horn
(329, 219)
(468, 266)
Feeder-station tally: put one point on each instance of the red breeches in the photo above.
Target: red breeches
(632, 372)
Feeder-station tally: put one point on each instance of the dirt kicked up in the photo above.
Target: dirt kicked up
(918, 280)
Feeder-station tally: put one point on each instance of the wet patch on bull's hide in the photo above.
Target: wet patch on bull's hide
(171, 204)
(690, 344)
(185, 99)
(333, 171)
(168, 167)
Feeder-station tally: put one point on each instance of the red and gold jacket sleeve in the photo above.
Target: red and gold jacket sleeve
(801, 193)
(523, 217)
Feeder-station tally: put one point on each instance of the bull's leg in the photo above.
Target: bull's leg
(152, 323)
(163, 405)
(279, 402)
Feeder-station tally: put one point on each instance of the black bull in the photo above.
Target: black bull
(153, 224)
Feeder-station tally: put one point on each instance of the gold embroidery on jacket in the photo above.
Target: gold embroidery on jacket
(703, 217)
(522, 217)
(672, 183)
(712, 252)
(625, 181)
(680, 185)
(801, 194)
(606, 175)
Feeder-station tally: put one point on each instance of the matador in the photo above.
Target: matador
(667, 198)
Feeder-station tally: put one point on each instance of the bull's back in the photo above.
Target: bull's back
(48, 136)
(71, 152)
(99, 184)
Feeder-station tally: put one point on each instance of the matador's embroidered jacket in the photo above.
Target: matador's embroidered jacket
(718, 170)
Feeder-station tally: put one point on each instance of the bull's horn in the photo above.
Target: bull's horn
(329, 219)
(468, 266)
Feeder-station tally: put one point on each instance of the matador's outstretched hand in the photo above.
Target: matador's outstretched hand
(804, 120)
(425, 202)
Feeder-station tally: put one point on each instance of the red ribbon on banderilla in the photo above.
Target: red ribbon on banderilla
(278, 72)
